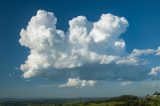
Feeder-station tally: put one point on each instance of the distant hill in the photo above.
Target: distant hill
(124, 100)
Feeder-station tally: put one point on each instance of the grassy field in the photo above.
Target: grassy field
(107, 104)
(147, 101)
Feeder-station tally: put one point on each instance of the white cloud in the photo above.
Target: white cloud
(129, 60)
(125, 83)
(155, 71)
(76, 82)
(108, 28)
(86, 43)
(120, 44)
(137, 52)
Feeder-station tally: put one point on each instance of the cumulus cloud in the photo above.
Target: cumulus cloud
(125, 83)
(76, 82)
(155, 71)
(85, 42)
(137, 52)
(91, 50)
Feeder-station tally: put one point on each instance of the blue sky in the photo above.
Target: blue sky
(142, 34)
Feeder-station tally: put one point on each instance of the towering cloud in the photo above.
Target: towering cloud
(54, 52)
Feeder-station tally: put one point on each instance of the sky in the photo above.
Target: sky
(82, 48)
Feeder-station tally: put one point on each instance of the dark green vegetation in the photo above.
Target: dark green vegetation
(124, 100)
